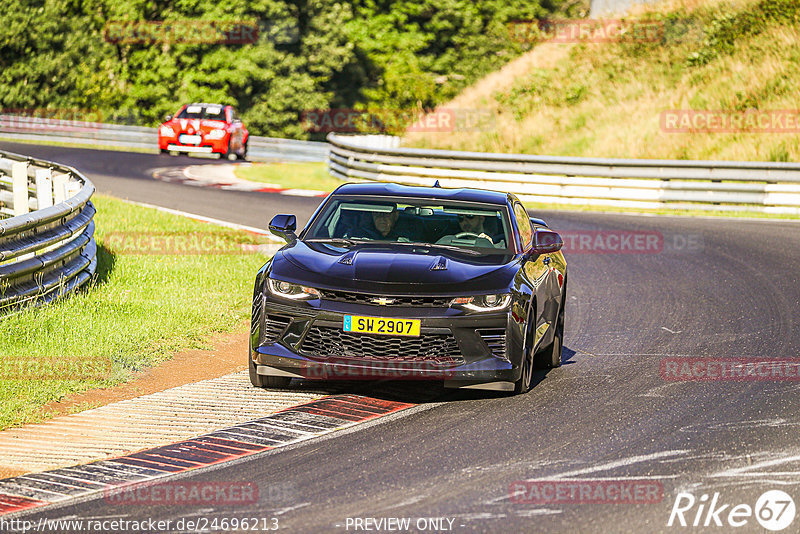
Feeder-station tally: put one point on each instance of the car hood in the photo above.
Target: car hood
(392, 268)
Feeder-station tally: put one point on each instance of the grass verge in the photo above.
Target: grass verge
(293, 175)
(540, 206)
(165, 283)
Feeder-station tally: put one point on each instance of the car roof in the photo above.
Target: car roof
(205, 104)
(442, 193)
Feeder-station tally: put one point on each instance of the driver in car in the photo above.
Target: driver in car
(473, 224)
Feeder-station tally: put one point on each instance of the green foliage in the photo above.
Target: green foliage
(310, 54)
(727, 26)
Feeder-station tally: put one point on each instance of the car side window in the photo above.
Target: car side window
(524, 225)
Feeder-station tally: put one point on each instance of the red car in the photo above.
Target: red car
(205, 128)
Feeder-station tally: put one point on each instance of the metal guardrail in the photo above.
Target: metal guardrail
(635, 183)
(47, 246)
(136, 137)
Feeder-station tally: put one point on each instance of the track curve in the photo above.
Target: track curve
(607, 413)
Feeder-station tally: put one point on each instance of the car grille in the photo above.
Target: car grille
(275, 325)
(496, 339)
(433, 349)
(363, 298)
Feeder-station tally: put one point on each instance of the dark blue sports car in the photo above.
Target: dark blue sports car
(393, 281)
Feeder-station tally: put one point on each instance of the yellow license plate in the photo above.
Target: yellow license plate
(381, 325)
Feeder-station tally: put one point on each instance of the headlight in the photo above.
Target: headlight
(167, 130)
(288, 290)
(215, 134)
(483, 303)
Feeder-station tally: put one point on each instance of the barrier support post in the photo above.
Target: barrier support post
(19, 187)
(44, 188)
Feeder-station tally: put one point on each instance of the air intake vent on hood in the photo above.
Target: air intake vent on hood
(439, 264)
(348, 258)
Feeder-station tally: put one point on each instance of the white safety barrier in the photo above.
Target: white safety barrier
(633, 183)
(47, 246)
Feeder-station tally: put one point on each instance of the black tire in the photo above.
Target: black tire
(261, 381)
(244, 152)
(523, 385)
(230, 156)
(550, 356)
(163, 151)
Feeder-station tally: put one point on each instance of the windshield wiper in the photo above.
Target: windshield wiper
(336, 241)
(446, 247)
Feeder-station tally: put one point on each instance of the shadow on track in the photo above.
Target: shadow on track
(415, 391)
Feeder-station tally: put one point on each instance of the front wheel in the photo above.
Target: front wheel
(229, 155)
(523, 385)
(550, 357)
(261, 381)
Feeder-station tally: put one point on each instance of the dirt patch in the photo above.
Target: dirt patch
(229, 354)
(8, 472)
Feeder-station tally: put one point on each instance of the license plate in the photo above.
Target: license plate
(187, 139)
(381, 325)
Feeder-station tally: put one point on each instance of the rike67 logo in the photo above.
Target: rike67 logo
(774, 510)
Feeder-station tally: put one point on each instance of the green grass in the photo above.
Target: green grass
(540, 206)
(139, 310)
(290, 175)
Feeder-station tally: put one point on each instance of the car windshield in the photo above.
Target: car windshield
(195, 111)
(463, 225)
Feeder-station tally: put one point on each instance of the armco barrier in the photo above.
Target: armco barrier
(27, 128)
(634, 183)
(47, 248)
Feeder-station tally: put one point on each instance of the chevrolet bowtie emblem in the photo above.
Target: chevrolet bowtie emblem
(383, 301)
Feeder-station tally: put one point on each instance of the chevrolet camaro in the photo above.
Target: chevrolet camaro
(420, 283)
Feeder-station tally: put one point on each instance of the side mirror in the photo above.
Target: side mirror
(535, 221)
(167, 117)
(546, 241)
(284, 226)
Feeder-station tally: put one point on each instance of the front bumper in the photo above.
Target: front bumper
(206, 146)
(190, 148)
(306, 340)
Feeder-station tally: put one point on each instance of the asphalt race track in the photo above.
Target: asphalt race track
(125, 175)
(709, 288)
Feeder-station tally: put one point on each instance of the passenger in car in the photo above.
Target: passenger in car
(384, 226)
